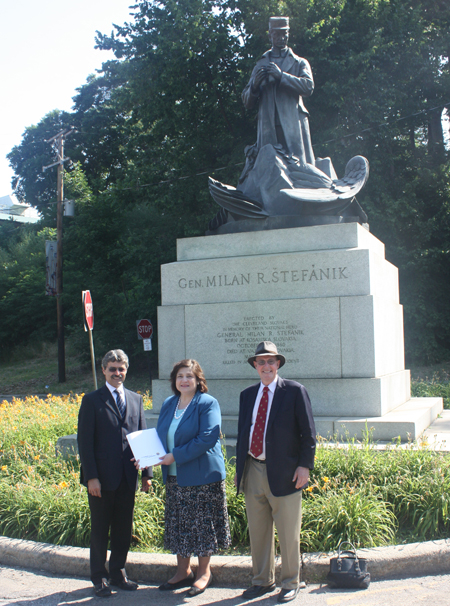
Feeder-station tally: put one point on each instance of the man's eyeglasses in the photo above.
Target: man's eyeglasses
(270, 362)
(113, 369)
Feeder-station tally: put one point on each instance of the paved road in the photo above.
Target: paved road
(19, 586)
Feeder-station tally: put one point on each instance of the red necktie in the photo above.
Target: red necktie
(256, 446)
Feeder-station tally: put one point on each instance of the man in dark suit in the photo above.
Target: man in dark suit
(106, 417)
(274, 453)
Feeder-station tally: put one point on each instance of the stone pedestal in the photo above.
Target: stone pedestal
(329, 300)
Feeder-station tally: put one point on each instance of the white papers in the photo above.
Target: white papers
(146, 447)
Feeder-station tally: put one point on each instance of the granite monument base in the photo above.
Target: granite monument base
(324, 294)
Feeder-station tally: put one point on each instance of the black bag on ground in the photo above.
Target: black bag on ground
(347, 570)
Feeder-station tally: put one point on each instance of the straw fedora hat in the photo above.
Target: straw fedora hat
(267, 348)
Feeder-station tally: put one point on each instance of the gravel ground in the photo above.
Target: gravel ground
(19, 586)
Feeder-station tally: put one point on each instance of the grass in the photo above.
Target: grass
(357, 493)
(34, 370)
(433, 387)
(412, 482)
(432, 381)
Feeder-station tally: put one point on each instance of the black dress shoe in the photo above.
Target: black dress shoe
(193, 591)
(125, 584)
(256, 591)
(187, 582)
(286, 595)
(102, 590)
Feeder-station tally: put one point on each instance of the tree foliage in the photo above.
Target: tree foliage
(24, 308)
(167, 112)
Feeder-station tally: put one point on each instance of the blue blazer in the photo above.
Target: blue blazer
(197, 450)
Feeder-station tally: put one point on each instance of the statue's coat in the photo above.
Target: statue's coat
(287, 98)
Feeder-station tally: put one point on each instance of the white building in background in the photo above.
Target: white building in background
(13, 210)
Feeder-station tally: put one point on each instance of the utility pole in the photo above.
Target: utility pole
(58, 146)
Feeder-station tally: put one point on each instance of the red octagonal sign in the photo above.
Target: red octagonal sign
(88, 309)
(144, 329)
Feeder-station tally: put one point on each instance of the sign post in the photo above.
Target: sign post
(88, 314)
(145, 332)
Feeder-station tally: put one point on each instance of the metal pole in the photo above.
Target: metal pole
(58, 144)
(91, 344)
(59, 263)
(150, 374)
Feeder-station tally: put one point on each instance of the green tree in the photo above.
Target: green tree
(31, 184)
(24, 307)
(167, 112)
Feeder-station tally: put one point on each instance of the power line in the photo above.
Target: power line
(212, 171)
(96, 131)
(423, 111)
(162, 182)
(165, 181)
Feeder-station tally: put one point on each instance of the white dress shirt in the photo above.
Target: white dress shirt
(120, 389)
(271, 386)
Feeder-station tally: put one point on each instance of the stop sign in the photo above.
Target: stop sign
(144, 329)
(88, 310)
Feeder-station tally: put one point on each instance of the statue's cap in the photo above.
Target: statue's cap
(278, 23)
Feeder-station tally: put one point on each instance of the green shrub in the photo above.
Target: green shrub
(434, 387)
(357, 492)
(346, 514)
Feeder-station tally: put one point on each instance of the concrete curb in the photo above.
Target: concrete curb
(415, 559)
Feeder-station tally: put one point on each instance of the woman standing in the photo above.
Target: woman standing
(196, 518)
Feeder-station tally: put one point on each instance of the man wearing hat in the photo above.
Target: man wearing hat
(274, 453)
(278, 84)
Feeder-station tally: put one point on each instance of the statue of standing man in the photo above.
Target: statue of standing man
(281, 177)
(278, 83)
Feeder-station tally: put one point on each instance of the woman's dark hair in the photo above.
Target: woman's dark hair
(196, 369)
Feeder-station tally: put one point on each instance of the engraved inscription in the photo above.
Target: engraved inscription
(240, 338)
(275, 276)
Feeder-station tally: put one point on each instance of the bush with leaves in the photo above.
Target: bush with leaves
(357, 492)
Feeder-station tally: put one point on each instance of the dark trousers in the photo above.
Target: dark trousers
(112, 514)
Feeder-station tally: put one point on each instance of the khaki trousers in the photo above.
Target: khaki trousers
(263, 510)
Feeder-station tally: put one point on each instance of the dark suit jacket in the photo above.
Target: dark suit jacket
(102, 444)
(290, 436)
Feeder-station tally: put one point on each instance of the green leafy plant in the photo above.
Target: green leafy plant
(346, 514)
(357, 491)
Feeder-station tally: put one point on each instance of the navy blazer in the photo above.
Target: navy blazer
(102, 443)
(197, 450)
(290, 435)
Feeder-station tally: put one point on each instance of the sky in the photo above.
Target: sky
(46, 52)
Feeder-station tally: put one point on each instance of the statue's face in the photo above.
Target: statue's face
(279, 38)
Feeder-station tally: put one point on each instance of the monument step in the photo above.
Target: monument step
(67, 446)
(407, 421)
(437, 436)
(295, 239)
(421, 419)
(351, 397)
(229, 423)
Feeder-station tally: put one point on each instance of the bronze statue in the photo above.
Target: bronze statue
(281, 177)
